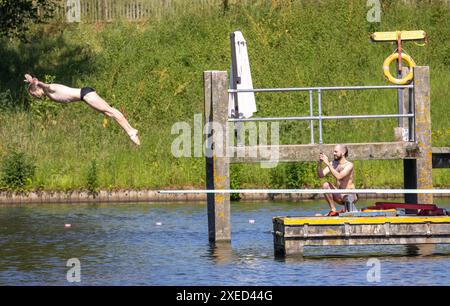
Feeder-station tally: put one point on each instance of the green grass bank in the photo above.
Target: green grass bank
(153, 70)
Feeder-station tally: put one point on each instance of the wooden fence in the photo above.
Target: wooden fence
(133, 10)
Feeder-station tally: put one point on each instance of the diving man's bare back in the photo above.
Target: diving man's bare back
(64, 94)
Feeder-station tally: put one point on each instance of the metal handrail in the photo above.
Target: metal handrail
(287, 89)
(320, 118)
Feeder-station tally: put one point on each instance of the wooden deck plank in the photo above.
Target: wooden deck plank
(363, 220)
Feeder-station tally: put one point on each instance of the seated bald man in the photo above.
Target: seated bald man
(342, 170)
(63, 94)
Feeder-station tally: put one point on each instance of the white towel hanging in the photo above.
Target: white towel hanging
(241, 79)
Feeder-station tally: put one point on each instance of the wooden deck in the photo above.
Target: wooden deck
(292, 234)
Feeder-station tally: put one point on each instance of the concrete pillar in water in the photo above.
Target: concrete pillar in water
(418, 172)
(217, 162)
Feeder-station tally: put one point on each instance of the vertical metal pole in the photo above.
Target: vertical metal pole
(234, 77)
(400, 102)
(399, 76)
(405, 109)
(311, 113)
(319, 100)
(409, 165)
(411, 120)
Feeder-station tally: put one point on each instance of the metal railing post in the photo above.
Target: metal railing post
(400, 104)
(411, 120)
(311, 122)
(319, 101)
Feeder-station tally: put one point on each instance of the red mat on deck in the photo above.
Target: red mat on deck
(417, 209)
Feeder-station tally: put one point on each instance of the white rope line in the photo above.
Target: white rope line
(313, 191)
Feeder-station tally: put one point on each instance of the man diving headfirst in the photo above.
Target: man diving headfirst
(63, 94)
(342, 170)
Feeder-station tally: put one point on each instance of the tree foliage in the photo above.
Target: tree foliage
(17, 171)
(16, 16)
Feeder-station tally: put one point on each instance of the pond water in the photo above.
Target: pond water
(167, 244)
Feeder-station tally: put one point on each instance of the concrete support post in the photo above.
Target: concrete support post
(217, 162)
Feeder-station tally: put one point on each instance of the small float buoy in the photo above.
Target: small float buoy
(251, 221)
(158, 223)
(67, 225)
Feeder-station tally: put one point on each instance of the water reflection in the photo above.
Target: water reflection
(222, 253)
(420, 250)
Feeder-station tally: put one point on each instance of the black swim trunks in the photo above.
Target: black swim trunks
(85, 91)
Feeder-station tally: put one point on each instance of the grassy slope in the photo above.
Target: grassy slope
(154, 72)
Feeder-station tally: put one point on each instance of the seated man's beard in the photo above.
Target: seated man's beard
(337, 158)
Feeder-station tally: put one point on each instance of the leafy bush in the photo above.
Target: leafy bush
(19, 16)
(277, 177)
(294, 175)
(92, 179)
(18, 171)
(235, 181)
(6, 100)
(301, 174)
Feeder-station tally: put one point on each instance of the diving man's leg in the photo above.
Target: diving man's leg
(97, 103)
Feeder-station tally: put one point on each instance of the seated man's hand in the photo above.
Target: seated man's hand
(324, 158)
